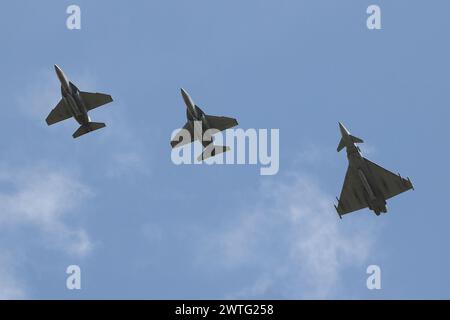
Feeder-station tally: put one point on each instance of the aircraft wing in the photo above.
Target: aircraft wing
(352, 195)
(94, 100)
(221, 123)
(180, 140)
(60, 113)
(390, 184)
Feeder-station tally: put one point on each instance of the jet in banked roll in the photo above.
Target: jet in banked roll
(366, 184)
(198, 126)
(76, 104)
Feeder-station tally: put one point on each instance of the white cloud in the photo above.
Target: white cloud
(310, 154)
(10, 287)
(129, 154)
(127, 162)
(39, 199)
(43, 198)
(367, 149)
(293, 241)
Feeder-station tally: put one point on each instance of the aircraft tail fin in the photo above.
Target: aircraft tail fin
(211, 151)
(354, 140)
(91, 126)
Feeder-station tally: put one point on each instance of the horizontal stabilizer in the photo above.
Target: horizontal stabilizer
(356, 139)
(211, 151)
(353, 139)
(91, 126)
(341, 145)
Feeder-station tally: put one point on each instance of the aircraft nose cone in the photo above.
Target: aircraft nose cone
(59, 72)
(62, 78)
(185, 95)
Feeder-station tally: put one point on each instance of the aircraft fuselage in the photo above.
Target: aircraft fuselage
(373, 194)
(71, 96)
(194, 115)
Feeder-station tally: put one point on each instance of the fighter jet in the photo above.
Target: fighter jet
(198, 123)
(76, 104)
(366, 184)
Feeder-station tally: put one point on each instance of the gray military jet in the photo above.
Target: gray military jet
(198, 123)
(366, 183)
(76, 104)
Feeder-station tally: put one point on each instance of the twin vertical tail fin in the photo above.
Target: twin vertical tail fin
(354, 139)
(91, 126)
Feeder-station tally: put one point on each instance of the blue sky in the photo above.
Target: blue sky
(140, 227)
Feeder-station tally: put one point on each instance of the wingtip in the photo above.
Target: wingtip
(336, 207)
(410, 183)
(337, 211)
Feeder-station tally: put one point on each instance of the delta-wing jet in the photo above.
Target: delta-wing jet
(197, 124)
(366, 185)
(76, 104)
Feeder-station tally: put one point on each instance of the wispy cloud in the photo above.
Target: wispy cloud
(125, 163)
(367, 149)
(293, 241)
(39, 199)
(43, 198)
(11, 288)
